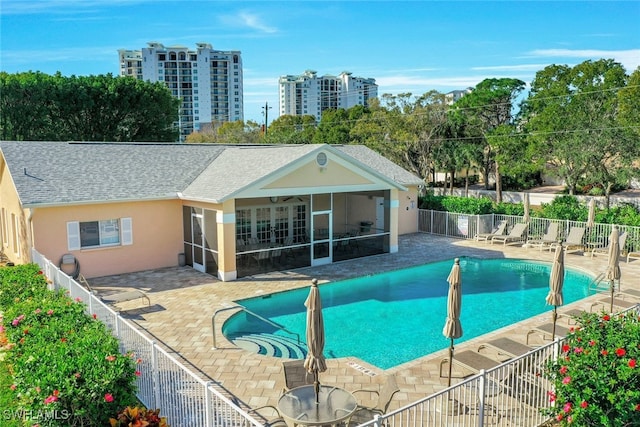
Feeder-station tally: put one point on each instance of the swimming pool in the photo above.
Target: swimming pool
(391, 318)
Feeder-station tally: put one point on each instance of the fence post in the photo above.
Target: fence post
(156, 375)
(208, 401)
(377, 420)
(481, 392)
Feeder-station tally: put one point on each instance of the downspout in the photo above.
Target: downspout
(30, 240)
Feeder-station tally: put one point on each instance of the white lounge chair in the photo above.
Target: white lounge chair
(622, 240)
(549, 238)
(117, 297)
(515, 235)
(498, 231)
(573, 241)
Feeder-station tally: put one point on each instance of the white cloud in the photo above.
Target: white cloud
(248, 20)
(521, 67)
(630, 58)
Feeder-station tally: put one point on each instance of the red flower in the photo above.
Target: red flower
(592, 343)
(578, 350)
(108, 397)
(138, 373)
(566, 348)
(632, 363)
(638, 407)
(606, 317)
(95, 316)
(110, 358)
(559, 416)
(50, 399)
(40, 272)
(604, 352)
(567, 407)
(563, 370)
(621, 352)
(566, 380)
(552, 396)
(584, 404)
(63, 340)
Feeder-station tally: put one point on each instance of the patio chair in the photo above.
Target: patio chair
(573, 241)
(515, 235)
(498, 231)
(547, 329)
(506, 347)
(295, 374)
(117, 297)
(622, 240)
(550, 237)
(383, 397)
(471, 361)
(272, 420)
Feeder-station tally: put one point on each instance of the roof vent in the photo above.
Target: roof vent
(322, 160)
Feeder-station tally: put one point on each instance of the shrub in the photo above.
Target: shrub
(509, 209)
(565, 207)
(21, 282)
(135, 416)
(596, 378)
(63, 361)
(467, 205)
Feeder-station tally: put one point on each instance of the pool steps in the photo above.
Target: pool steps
(270, 345)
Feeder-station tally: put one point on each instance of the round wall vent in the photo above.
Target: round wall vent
(322, 160)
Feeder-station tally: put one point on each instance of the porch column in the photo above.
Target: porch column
(394, 207)
(226, 222)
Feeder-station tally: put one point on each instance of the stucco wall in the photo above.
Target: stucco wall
(157, 236)
(14, 236)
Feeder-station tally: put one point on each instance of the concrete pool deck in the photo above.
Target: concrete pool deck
(184, 300)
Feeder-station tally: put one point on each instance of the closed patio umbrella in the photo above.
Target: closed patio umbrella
(556, 281)
(452, 326)
(314, 363)
(591, 219)
(527, 207)
(613, 268)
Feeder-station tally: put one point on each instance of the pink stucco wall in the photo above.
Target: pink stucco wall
(157, 236)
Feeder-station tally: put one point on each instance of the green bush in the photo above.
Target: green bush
(20, 282)
(466, 205)
(63, 361)
(597, 376)
(564, 207)
(509, 209)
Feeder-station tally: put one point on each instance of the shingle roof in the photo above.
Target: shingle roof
(56, 173)
(67, 172)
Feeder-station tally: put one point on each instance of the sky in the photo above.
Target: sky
(406, 46)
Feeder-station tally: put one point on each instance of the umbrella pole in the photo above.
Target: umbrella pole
(555, 317)
(450, 363)
(316, 386)
(612, 286)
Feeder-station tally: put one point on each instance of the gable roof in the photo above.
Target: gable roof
(60, 173)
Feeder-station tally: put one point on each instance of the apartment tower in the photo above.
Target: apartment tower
(308, 94)
(208, 81)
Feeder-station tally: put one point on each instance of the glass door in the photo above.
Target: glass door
(321, 229)
(197, 225)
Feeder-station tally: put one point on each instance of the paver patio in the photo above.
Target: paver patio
(184, 300)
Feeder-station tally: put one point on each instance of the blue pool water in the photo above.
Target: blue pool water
(391, 318)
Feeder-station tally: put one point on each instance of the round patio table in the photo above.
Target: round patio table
(298, 406)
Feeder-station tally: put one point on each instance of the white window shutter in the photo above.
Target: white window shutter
(126, 231)
(73, 235)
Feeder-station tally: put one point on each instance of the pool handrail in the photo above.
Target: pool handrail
(239, 307)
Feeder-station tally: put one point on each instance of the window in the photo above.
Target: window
(94, 234)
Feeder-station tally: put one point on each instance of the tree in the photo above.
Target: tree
(37, 106)
(483, 113)
(289, 129)
(572, 116)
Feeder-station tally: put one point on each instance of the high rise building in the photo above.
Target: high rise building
(209, 82)
(454, 95)
(308, 94)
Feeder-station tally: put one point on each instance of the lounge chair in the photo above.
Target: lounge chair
(547, 329)
(506, 346)
(295, 374)
(117, 297)
(573, 241)
(364, 413)
(617, 302)
(515, 235)
(622, 240)
(498, 231)
(470, 360)
(632, 255)
(549, 238)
